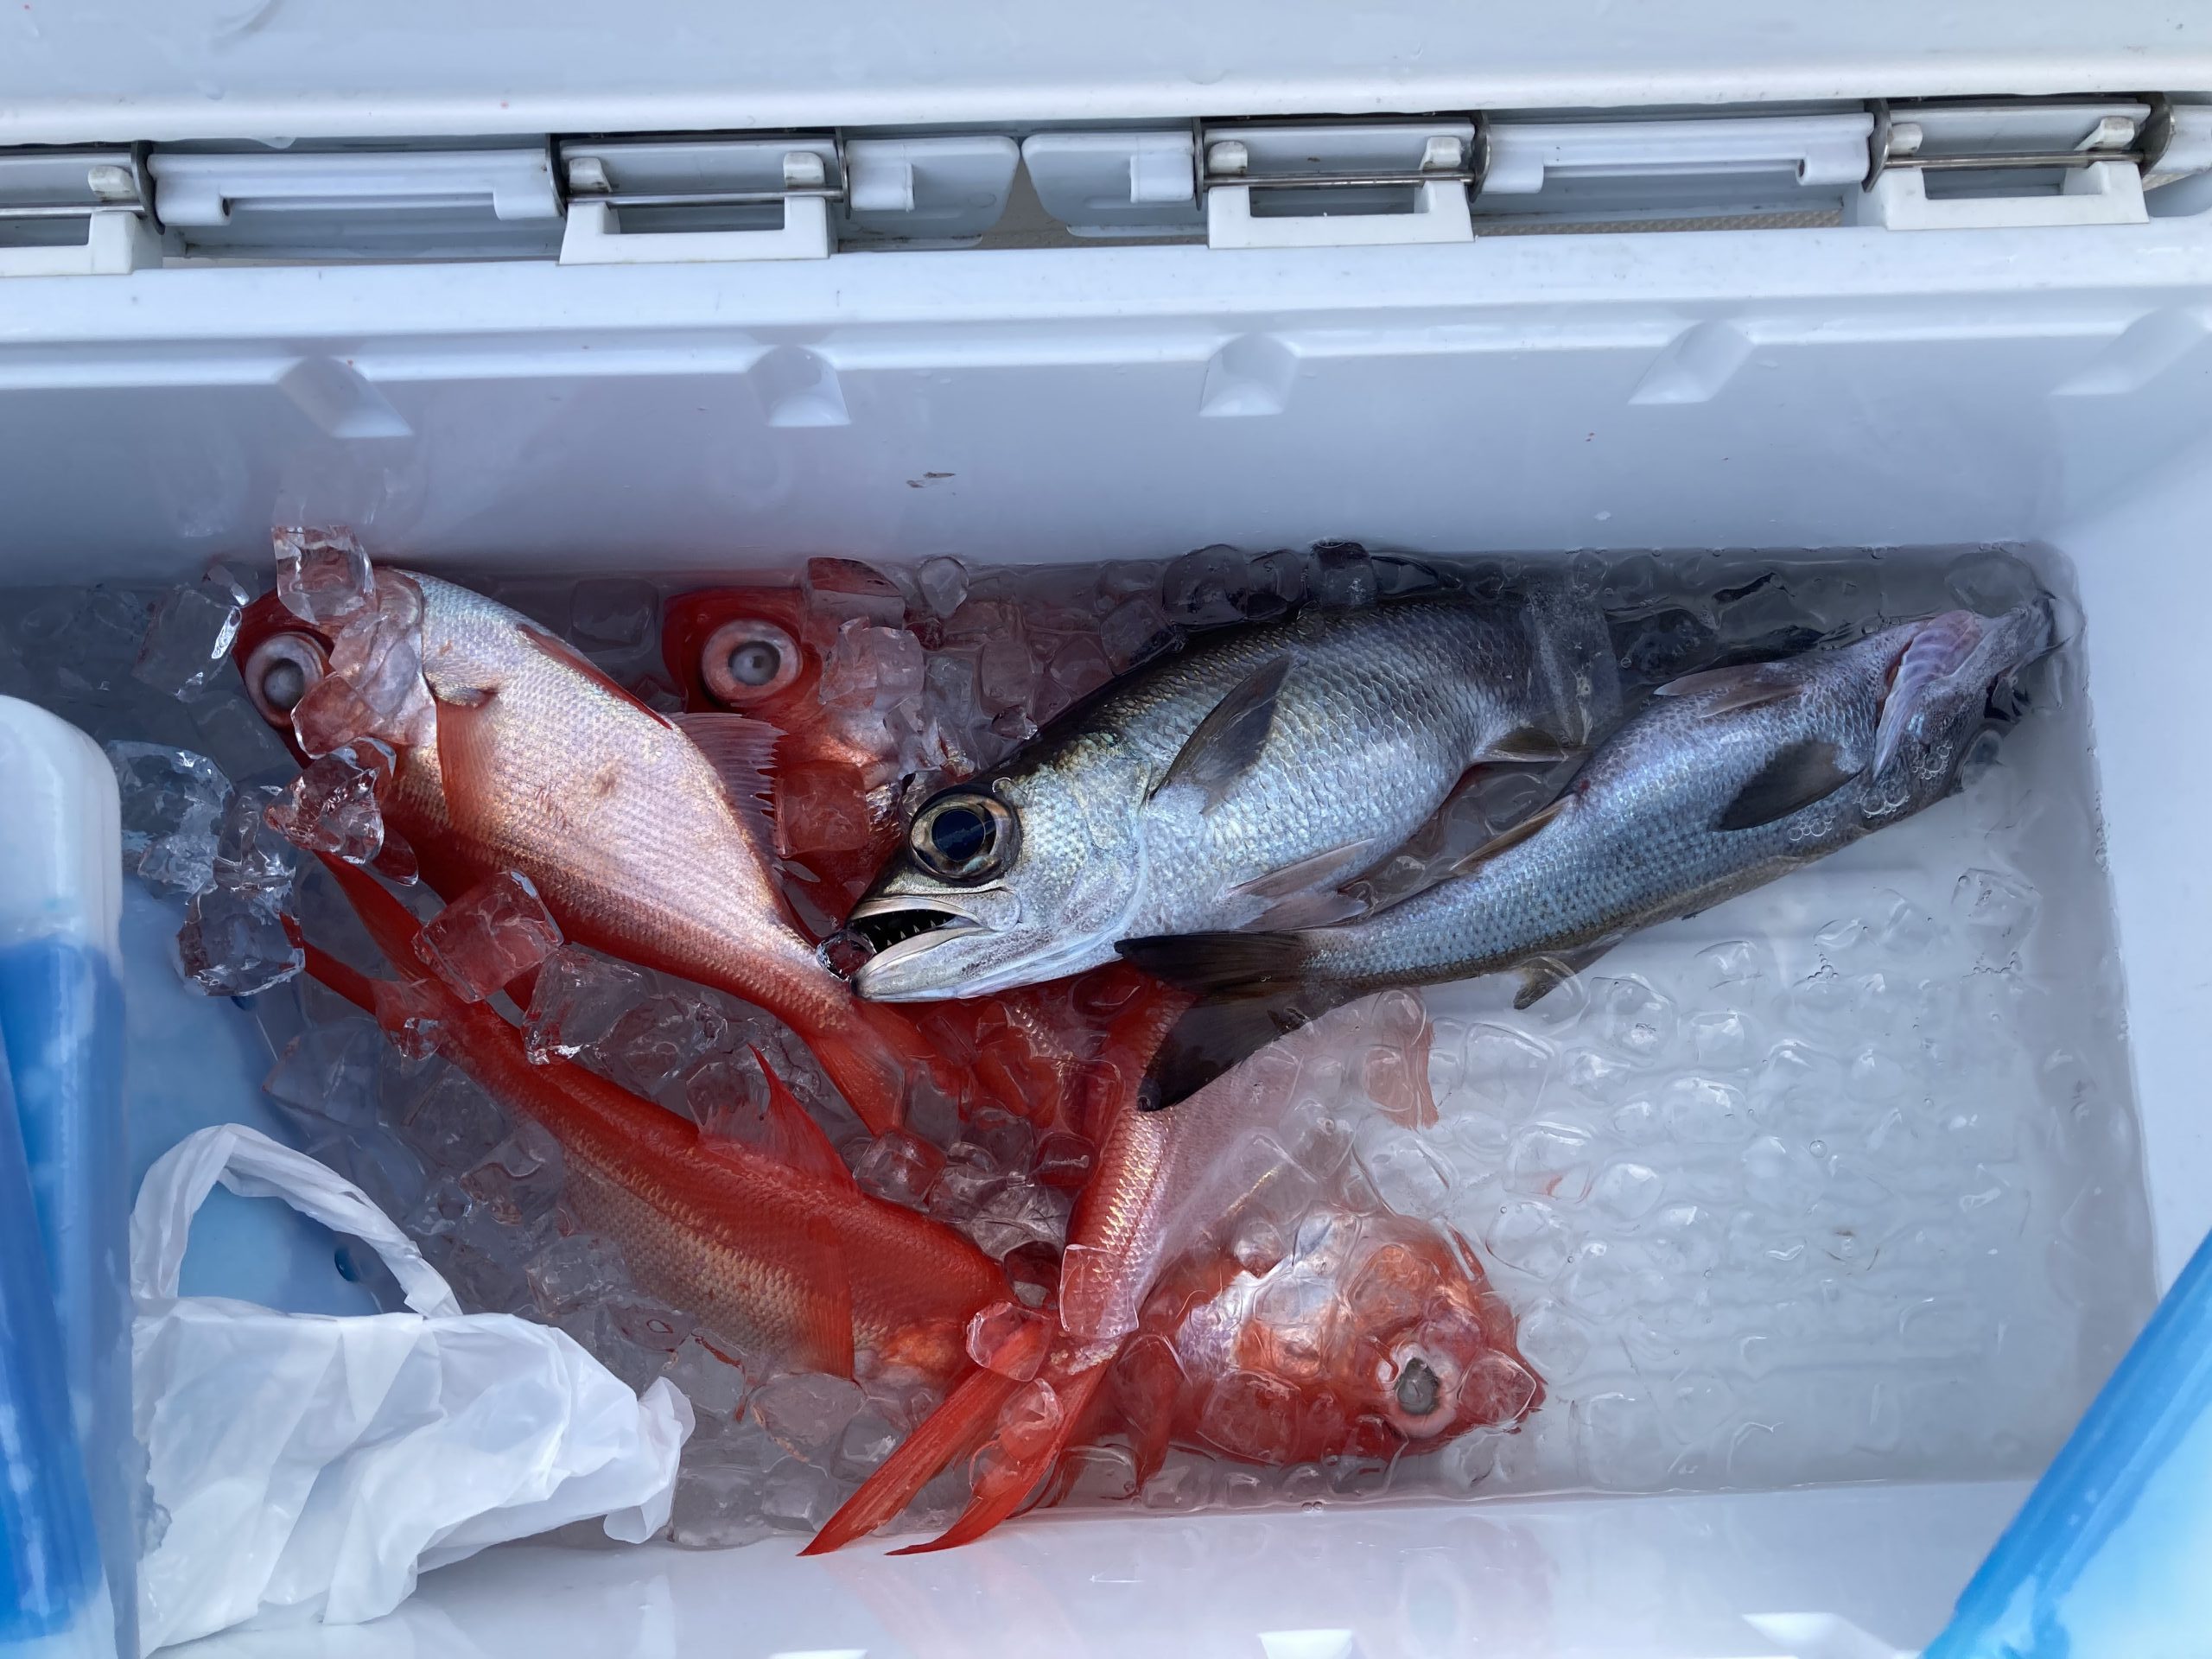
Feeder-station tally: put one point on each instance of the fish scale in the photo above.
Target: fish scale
(1727, 780)
(1380, 714)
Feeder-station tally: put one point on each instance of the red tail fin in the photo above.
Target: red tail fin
(1008, 1474)
(968, 1414)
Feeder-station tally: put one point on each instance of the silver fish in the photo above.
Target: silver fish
(1727, 780)
(1263, 766)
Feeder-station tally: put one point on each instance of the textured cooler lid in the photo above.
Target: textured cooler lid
(82, 71)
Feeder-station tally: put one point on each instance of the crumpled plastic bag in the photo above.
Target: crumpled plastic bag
(304, 1466)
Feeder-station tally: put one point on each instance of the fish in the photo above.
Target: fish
(1727, 780)
(643, 832)
(836, 807)
(1150, 1260)
(766, 1240)
(1249, 776)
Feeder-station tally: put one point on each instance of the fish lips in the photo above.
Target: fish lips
(910, 932)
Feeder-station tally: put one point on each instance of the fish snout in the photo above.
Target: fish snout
(924, 947)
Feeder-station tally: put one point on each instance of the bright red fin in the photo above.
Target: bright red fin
(568, 657)
(966, 1419)
(783, 1130)
(349, 982)
(1004, 1484)
(825, 1342)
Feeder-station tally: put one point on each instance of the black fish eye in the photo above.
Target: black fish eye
(964, 835)
(1418, 1387)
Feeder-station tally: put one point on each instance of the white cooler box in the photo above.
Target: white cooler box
(893, 281)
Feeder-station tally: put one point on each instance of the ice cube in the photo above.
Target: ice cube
(868, 1440)
(331, 807)
(717, 1502)
(84, 642)
(1343, 576)
(871, 667)
(661, 1039)
(1550, 1160)
(1993, 582)
(839, 591)
(234, 942)
(806, 1413)
(1626, 1191)
(1135, 631)
(1009, 1339)
(715, 1386)
(249, 853)
(1527, 1235)
(1077, 666)
(1250, 1415)
(329, 1073)
(576, 1272)
(322, 576)
(1637, 1022)
(495, 932)
(943, 584)
(377, 658)
(412, 1015)
(1013, 1214)
(1064, 1161)
(819, 811)
(613, 614)
(899, 1167)
(796, 1496)
(233, 734)
(1006, 674)
(521, 1178)
(1996, 909)
(1407, 1174)
(187, 640)
(452, 1121)
(578, 998)
(172, 802)
(1208, 587)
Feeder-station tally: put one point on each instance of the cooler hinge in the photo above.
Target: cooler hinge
(76, 213)
(1957, 164)
(792, 196)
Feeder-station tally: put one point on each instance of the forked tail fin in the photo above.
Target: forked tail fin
(957, 1427)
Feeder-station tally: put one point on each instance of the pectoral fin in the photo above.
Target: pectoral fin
(1229, 739)
(1799, 775)
(742, 751)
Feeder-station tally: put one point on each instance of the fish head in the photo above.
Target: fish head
(1948, 676)
(1395, 1319)
(1002, 882)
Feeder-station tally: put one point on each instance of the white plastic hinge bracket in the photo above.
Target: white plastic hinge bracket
(1426, 161)
(1819, 151)
(2103, 193)
(116, 242)
(199, 188)
(595, 237)
(1117, 183)
(106, 190)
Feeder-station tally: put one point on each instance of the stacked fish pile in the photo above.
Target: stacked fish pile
(953, 1025)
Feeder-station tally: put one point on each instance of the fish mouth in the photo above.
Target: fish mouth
(898, 929)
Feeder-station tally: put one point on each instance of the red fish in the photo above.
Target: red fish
(1364, 1332)
(642, 831)
(771, 1244)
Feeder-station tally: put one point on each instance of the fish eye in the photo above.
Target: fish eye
(1420, 1389)
(746, 659)
(964, 835)
(282, 669)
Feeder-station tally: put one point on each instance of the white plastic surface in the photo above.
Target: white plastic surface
(160, 69)
(306, 1466)
(61, 857)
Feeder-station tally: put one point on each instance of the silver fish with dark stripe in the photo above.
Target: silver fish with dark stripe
(1727, 780)
(1261, 766)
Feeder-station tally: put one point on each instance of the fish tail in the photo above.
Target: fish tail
(955, 1428)
(1224, 965)
(1005, 1481)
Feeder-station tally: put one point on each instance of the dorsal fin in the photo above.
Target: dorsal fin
(1507, 839)
(742, 751)
(1747, 685)
(1797, 776)
(1229, 739)
(781, 1129)
(568, 657)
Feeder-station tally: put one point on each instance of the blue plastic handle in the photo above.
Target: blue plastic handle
(2110, 1555)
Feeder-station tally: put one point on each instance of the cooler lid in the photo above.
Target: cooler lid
(110, 71)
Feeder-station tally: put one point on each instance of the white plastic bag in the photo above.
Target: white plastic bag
(306, 1466)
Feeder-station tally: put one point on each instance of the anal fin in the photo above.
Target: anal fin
(1541, 976)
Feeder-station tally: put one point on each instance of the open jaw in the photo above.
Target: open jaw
(900, 929)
